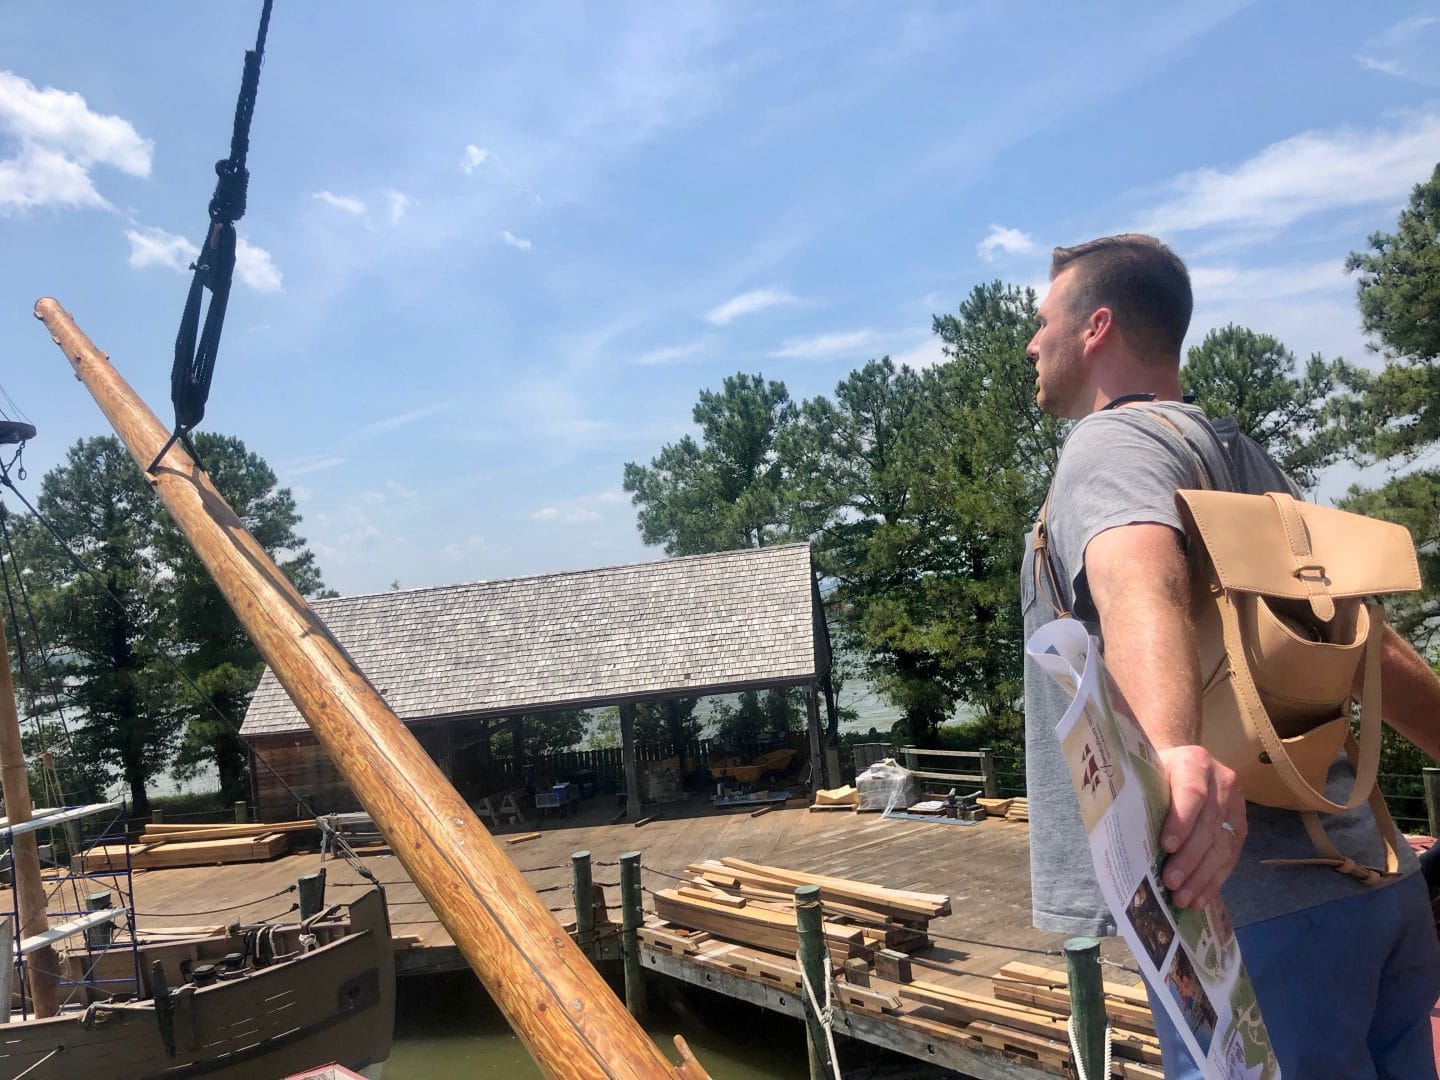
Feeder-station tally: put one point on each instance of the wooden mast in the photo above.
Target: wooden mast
(42, 964)
(556, 1002)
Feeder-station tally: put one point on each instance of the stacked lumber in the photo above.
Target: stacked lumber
(1019, 810)
(163, 847)
(1040, 1034)
(1127, 1006)
(751, 904)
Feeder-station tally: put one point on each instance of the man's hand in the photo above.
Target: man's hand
(1204, 799)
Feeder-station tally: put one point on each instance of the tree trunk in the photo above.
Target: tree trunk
(139, 799)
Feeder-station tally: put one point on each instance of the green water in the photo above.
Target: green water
(446, 1028)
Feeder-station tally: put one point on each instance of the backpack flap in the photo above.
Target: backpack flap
(1279, 547)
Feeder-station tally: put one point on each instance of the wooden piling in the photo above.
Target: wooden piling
(811, 937)
(556, 1001)
(584, 892)
(7, 965)
(631, 916)
(242, 811)
(312, 894)
(42, 965)
(99, 936)
(1087, 1004)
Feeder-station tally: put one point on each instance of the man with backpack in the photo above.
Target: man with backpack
(1346, 966)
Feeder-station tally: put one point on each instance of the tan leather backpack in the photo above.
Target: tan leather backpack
(1287, 637)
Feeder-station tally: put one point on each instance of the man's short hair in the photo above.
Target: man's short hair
(1141, 281)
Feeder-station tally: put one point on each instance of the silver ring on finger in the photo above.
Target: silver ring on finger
(1228, 828)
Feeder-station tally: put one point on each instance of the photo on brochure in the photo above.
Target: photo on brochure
(1195, 1008)
(1148, 915)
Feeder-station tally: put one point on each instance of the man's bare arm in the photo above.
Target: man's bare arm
(1140, 584)
(1411, 700)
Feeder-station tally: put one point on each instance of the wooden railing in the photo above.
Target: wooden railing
(915, 756)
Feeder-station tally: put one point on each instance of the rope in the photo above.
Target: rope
(1080, 1073)
(826, 1014)
(32, 1068)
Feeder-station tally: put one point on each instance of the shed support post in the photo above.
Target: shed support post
(817, 757)
(7, 965)
(810, 933)
(584, 903)
(632, 915)
(632, 766)
(987, 773)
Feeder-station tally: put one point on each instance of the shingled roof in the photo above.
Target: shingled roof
(703, 624)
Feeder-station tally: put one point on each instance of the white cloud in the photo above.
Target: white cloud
(613, 495)
(928, 353)
(824, 345)
(398, 203)
(254, 267)
(156, 247)
(399, 420)
(348, 203)
(748, 303)
(1010, 241)
(573, 516)
(1405, 51)
(1307, 174)
(670, 353)
(312, 465)
(1223, 283)
(473, 157)
(60, 139)
(515, 241)
(469, 546)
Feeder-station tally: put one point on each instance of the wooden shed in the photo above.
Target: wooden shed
(455, 658)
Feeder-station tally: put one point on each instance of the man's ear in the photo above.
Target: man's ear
(1099, 328)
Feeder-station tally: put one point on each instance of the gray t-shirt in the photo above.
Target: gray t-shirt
(1122, 467)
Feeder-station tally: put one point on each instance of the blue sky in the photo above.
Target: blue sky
(493, 252)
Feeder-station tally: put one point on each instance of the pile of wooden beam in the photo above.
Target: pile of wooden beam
(754, 905)
(169, 846)
(1016, 809)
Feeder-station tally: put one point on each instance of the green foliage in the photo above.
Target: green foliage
(1399, 282)
(934, 480)
(1394, 413)
(726, 491)
(758, 718)
(545, 733)
(1237, 372)
(108, 629)
(215, 652)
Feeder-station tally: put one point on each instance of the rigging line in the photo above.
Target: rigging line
(160, 651)
(45, 654)
(49, 775)
(13, 407)
(26, 674)
(213, 911)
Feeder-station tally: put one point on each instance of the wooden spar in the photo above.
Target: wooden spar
(553, 998)
(42, 964)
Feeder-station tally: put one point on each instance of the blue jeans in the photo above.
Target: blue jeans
(1345, 988)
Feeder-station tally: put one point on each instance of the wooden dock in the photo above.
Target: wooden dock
(983, 868)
